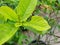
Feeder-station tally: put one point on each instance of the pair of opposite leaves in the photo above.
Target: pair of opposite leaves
(22, 12)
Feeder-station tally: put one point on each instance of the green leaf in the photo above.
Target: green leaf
(51, 1)
(37, 23)
(7, 30)
(8, 13)
(25, 8)
(21, 38)
(1, 19)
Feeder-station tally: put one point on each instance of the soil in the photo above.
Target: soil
(37, 43)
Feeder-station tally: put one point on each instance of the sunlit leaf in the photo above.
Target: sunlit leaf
(38, 23)
(7, 30)
(25, 8)
(8, 13)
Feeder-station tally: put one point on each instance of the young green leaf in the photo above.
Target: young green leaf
(25, 8)
(7, 30)
(38, 23)
(8, 13)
